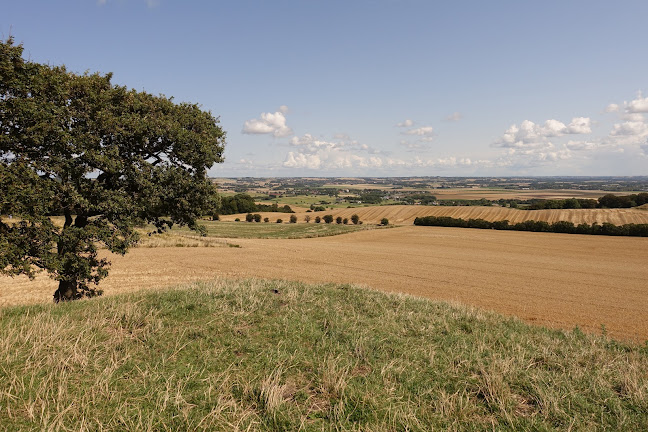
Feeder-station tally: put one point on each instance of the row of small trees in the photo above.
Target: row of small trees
(634, 230)
(355, 219)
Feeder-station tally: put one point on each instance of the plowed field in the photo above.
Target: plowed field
(557, 280)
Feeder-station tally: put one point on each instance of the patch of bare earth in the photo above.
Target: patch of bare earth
(558, 280)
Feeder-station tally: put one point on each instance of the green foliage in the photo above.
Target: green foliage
(239, 203)
(627, 201)
(257, 217)
(249, 217)
(244, 203)
(371, 197)
(105, 157)
(355, 219)
(634, 230)
(338, 220)
(384, 221)
(328, 219)
(279, 220)
(293, 219)
(318, 219)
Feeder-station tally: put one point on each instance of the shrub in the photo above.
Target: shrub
(384, 221)
(355, 219)
(345, 221)
(338, 220)
(307, 218)
(279, 221)
(318, 219)
(328, 219)
(293, 219)
(257, 217)
(266, 220)
(237, 220)
(249, 217)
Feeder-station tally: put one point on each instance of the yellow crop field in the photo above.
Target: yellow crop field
(558, 280)
(404, 215)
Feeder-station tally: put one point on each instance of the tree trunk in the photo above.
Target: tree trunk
(66, 291)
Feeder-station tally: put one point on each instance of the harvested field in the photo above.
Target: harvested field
(405, 214)
(558, 280)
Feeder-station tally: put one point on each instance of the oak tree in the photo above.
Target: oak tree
(103, 157)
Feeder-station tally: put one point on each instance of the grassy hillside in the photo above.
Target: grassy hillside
(265, 355)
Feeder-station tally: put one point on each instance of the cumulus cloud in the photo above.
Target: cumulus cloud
(612, 108)
(315, 153)
(638, 105)
(529, 134)
(454, 117)
(630, 128)
(406, 123)
(269, 123)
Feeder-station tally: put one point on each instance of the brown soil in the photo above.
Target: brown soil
(557, 280)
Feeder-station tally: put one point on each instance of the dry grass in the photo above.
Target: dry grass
(558, 280)
(260, 355)
(176, 239)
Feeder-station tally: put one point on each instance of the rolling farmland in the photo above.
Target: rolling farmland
(405, 214)
(557, 280)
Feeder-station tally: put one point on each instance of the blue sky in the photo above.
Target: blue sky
(376, 87)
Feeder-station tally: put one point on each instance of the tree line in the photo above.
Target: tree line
(606, 201)
(244, 203)
(633, 230)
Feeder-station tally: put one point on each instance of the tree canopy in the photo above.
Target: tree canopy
(104, 157)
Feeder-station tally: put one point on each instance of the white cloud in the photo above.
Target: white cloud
(300, 160)
(638, 105)
(579, 125)
(406, 123)
(283, 109)
(531, 135)
(269, 123)
(422, 131)
(612, 108)
(582, 145)
(455, 116)
(630, 128)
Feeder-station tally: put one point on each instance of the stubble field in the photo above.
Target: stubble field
(405, 214)
(558, 280)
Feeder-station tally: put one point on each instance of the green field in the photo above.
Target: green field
(273, 229)
(269, 355)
